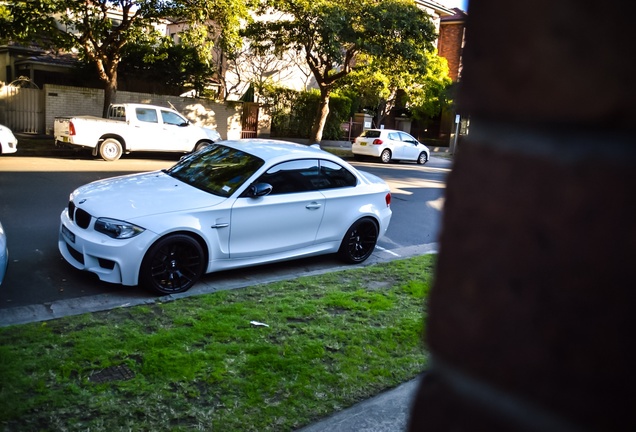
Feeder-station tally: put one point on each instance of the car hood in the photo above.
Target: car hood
(212, 134)
(138, 195)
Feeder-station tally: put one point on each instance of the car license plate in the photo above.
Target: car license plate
(65, 139)
(68, 234)
(363, 143)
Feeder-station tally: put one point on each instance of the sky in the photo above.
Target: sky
(462, 4)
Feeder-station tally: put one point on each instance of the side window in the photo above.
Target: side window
(292, 177)
(394, 136)
(172, 118)
(335, 176)
(146, 115)
(407, 138)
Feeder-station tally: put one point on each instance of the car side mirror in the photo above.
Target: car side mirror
(259, 190)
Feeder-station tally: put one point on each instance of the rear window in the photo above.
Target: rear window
(371, 134)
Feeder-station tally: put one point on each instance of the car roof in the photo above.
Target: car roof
(142, 105)
(268, 149)
(384, 130)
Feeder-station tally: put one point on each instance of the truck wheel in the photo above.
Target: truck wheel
(110, 150)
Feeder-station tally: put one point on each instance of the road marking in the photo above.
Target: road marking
(387, 251)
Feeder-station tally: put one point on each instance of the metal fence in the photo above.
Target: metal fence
(23, 109)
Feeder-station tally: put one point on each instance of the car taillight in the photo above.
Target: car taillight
(71, 128)
(387, 198)
(377, 141)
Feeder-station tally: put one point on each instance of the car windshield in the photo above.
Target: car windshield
(216, 169)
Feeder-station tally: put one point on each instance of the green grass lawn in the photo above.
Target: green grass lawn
(199, 364)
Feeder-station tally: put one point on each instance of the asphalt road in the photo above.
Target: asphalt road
(34, 190)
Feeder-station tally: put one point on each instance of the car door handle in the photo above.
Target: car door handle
(313, 206)
(220, 225)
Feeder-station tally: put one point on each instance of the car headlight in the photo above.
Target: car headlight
(117, 229)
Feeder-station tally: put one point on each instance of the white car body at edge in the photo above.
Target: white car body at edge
(8, 141)
(236, 231)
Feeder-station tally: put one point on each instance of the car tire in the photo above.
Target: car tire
(172, 265)
(110, 150)
(201, 145)
(385, 156)
(422, 158)
(359, 242)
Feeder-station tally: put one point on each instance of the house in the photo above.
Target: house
(450, 44)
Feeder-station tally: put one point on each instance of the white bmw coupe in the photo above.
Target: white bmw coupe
(232, 204)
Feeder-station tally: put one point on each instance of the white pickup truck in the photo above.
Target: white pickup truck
(130, 128)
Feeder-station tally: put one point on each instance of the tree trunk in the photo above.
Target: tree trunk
(321, 116)
(110, 94)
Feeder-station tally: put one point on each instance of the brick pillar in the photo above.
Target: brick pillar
(532, 319)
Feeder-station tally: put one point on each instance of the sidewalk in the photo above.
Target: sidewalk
(386, 412)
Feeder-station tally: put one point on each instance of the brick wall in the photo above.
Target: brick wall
(449, 46)
(531, 318)
(69, 101)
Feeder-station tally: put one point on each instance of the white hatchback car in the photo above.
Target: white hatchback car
(8, 141)
(231, 204)
(390, 144)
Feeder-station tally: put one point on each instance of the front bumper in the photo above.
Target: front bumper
(112, 260)
(10, 147)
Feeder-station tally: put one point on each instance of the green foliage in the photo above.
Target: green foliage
(103, 38)
(173, 68)
(334, 35)
(380, 85)
(432, 92)
(293, 112)
(293, 115)
(339, 112)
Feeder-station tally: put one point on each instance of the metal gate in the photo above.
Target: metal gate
(24, 109)
(249, 120)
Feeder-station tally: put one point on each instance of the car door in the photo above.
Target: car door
(343, 201)
(285, 220)
(395, 144)
(147, 131)
(177, 132)
(410, 150)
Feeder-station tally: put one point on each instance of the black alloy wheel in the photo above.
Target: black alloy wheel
(172, 265)
(359, 242)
